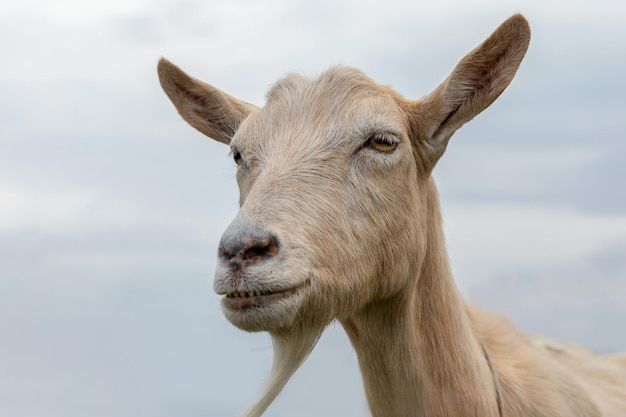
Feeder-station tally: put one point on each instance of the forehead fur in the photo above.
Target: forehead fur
(335, 85)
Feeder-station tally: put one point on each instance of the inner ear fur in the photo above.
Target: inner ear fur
(211, 111)
(477, 80)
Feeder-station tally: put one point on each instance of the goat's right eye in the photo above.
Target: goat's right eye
(237, 157)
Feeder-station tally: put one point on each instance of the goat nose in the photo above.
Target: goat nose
(243, 250)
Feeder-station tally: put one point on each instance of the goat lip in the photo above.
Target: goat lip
(241, 300)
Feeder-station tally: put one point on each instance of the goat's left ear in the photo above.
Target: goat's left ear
(478, 79)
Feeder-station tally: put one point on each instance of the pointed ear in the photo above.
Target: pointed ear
(478, 79)
(211, 111)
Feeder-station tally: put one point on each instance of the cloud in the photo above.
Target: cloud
(73, 10)
(42, 210)
(67, 212)
(581, 176)
(485, 240)
(581, 301)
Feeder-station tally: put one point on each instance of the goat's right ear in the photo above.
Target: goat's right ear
(211, 111)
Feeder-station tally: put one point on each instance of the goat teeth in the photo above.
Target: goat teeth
(248, 294)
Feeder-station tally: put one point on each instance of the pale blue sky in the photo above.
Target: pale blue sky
(111, 206)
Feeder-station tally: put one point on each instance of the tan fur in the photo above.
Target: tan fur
(353, 233)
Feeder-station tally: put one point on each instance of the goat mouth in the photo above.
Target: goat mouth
(241, 300)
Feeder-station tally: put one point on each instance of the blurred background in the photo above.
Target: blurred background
(111, 206)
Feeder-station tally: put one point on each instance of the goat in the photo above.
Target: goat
(339, 220)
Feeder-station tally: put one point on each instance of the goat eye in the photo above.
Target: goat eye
(382, 142)
(237, 157)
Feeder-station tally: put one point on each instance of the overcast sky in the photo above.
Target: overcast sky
(111, 206)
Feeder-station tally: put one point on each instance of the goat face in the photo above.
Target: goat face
(329, 204)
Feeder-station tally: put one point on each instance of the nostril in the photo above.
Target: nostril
(266, 248)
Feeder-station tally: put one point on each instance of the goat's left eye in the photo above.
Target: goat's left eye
(382, 142)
